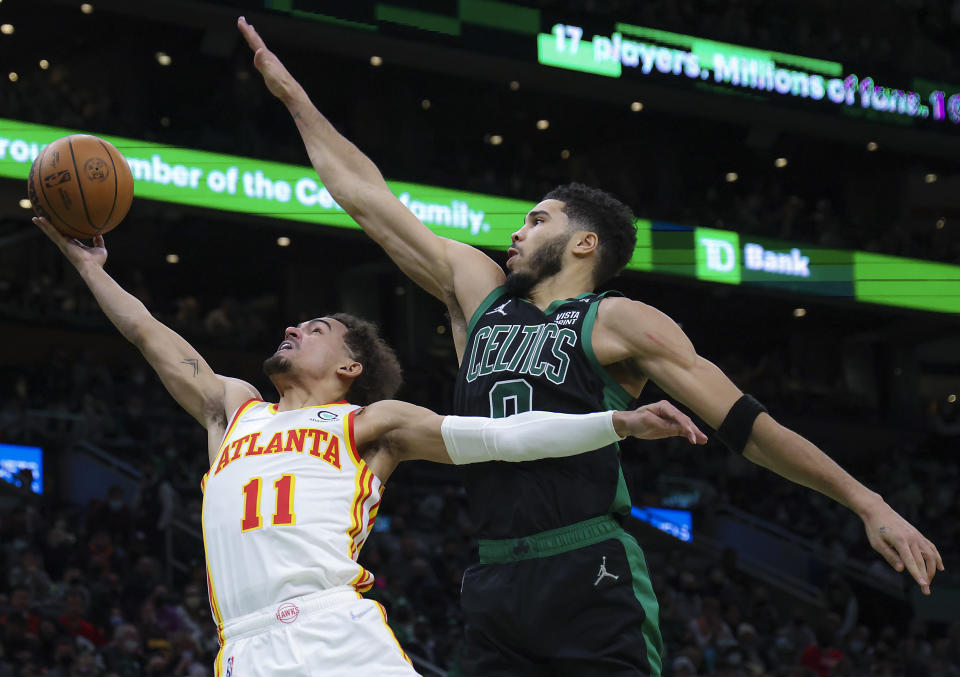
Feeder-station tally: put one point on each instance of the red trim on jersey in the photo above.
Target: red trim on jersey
(366, 489)
(226, 434)
(351, 441)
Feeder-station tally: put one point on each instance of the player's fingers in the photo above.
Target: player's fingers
(669, 411)
(58, 238)
(889, 554)
(694, 435)
(250, 35)
(924, 568)
(931, 551)
(42, 224)
(661, 426)
(98, 241)
(924, 554)
(914, 566)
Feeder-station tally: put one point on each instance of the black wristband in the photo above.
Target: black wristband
(736, 427)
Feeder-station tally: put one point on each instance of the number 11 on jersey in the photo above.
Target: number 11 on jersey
(283, 516)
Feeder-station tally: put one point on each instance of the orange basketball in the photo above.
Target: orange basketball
(81, 184)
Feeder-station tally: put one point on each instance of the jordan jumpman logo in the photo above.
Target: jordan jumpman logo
(499, 309)
(603, 573)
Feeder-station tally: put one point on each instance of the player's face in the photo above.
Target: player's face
(312, 348)
(542, 227)
(538, 248)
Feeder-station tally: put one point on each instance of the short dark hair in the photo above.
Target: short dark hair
(613, 222)
(381, 376)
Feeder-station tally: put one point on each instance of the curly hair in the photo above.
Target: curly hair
(613, 222)
(381, 376)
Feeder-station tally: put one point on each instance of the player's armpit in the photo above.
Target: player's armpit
(184, 373)
(409, 431)
(389, 431)
(236, 393)
(451, 271)
(474, 276)
(630, 330)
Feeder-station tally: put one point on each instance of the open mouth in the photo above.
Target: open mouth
(286, 345)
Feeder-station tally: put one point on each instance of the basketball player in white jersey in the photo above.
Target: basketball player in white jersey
(293, 487)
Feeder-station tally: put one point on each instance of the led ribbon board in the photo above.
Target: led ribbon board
(623, 50)
(677, 523)
(15, 457)
(734, 258)
(270, 189)
(645, 53)
(276, 190)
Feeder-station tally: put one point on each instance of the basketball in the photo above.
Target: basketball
(81, 184)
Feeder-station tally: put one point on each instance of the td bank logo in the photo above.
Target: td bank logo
(717, 255)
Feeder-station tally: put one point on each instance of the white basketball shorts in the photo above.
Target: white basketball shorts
(324, 634)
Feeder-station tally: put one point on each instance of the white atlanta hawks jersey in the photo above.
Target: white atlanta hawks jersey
(287, 506)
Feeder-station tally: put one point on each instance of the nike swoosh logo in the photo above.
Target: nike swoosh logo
(362, 613)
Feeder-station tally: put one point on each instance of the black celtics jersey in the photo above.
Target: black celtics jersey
(519, 358)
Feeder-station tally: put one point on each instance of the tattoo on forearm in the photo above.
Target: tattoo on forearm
(193, 362)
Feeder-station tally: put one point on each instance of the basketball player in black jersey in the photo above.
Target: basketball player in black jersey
(561, 589)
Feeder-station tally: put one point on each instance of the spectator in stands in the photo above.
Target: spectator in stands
(683, 667)
(124, 655)
(155, 505)
(101, 555)
(709, 629)
(63, 656)
(821, 656)
(841, 600)
(30, 574)
(221, 321)
(113, 516)
(74, 619)
(21, 612)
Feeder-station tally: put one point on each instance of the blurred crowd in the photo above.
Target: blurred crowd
(84, 594)
(90, 588)
(87, 591)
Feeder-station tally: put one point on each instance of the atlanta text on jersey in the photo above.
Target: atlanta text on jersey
(290, 441)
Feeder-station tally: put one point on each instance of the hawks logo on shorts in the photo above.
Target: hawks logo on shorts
(288, 612)
(286, 488)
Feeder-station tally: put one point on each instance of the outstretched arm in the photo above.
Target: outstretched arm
(403, 432)
(185, 374)
(357, 186)
(633, 330)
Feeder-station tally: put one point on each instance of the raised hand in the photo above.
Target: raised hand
(278, 80)
(902, 545)
(76, 252)
(657, 421)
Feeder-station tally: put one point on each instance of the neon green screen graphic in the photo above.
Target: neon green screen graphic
(269, 189)
(292, 192)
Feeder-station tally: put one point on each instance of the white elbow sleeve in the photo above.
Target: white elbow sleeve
(526, 437)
